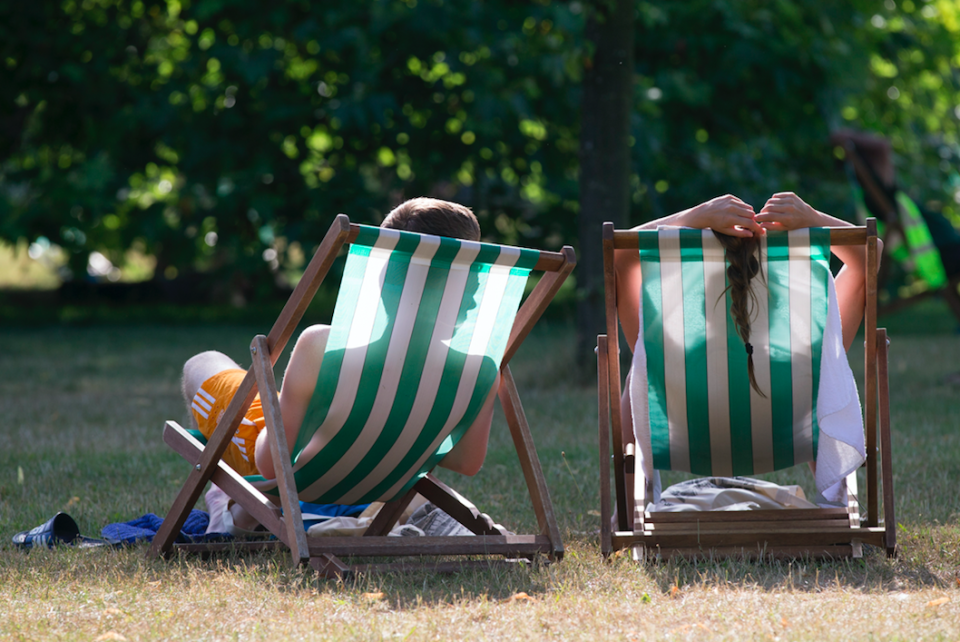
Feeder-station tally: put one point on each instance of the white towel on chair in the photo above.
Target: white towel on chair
(841, 448)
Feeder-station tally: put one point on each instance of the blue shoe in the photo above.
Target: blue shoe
(60, 529)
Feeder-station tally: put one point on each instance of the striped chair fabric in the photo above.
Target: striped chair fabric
(705, 418)
(418, 333)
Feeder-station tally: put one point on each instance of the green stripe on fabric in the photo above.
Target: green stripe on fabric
(819, 302)
(738, 381)
(373, 363)
(449, 380)
(781, 373)
(409, 382)
(346, 306)
(488, 254)
(695, 342)
(528, 259)
(653, 345)
(367, 236)
(496, 344)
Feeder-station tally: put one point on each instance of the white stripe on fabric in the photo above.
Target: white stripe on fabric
(761, 412)
(718, 384)
(801, 345)
(200, 411)
(497, 282)
(674, 349)
(356, 349)
(207, 395)
(197, 399)
(393, 367)
(432, 370)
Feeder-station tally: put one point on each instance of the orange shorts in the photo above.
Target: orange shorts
(208, 406)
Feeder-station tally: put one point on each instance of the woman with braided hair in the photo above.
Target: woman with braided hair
(739, 228)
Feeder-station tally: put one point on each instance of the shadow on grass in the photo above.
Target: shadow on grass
(872, 573)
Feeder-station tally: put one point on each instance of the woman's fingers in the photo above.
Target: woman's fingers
(730, 215)
(786, 211)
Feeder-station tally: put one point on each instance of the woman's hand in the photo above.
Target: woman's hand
(725, 214)
(786, 211)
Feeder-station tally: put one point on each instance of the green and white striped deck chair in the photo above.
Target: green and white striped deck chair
(421, 327)
(695, 411)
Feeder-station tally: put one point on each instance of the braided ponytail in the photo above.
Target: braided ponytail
(742, 254)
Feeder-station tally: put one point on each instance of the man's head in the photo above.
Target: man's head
(433, 216)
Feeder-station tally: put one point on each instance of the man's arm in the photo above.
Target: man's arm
(467, 456)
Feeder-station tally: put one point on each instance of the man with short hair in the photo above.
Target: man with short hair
(210, 379)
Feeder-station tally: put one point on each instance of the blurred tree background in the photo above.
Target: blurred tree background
(220, 137)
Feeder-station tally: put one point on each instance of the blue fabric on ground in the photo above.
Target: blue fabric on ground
(144, 528)
(333, 510)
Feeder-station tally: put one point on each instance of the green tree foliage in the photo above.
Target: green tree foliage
(223, 135)
(735, 96)
(221, 132)
(912, 94)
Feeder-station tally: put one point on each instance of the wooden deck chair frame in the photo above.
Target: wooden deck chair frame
(324, 554)
(818, 533)
(950, 291)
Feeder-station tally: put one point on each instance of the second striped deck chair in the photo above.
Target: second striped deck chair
(422, 325)
(694, 410)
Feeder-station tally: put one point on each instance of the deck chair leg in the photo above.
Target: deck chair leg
(529, 462)
(292, 519)
(886, 457)
(603, 421)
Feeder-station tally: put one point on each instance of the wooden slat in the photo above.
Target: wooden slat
(766, 515)
(387, 546)
(628, 239)
(537, 302)
(280, 451)
(230, 546)
(624, 515)
(780, 537)
(252, 500)
(529, 461)
(451, 566)
(752, 553)
(458, 507)
(734, 526)
(886, 447)
(870, 374)
(603, 422)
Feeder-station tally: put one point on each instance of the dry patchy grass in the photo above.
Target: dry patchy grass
(84, 408)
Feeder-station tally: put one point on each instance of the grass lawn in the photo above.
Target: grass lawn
(84, 408)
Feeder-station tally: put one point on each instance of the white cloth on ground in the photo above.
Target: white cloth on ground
(729, 494)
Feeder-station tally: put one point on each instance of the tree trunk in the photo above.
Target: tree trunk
(604, 157)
